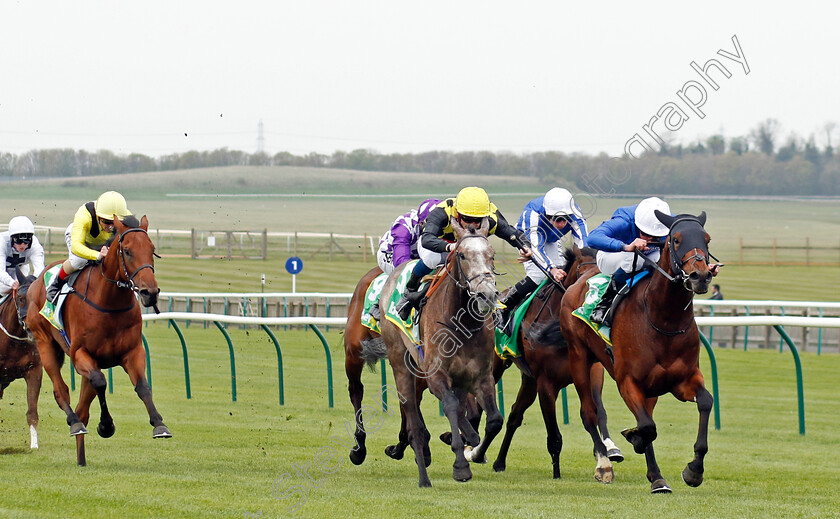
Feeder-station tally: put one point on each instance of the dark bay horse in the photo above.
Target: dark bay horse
(457, 352)
(547, 357)
(103, 324)
(18, 353)
(656, 347)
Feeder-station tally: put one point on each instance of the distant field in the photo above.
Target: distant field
(53, 202)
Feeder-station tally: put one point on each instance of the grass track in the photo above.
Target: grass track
(226, 456)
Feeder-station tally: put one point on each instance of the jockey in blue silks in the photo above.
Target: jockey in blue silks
(545, 220)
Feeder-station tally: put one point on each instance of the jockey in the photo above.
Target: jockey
(630, 229)
(20, 248)
(86, 236)
(545, 220)
(399, 244)
(470, 208)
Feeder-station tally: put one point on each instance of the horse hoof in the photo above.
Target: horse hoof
(77, 429)
(446, 438)
(357, 456)
(556, 474)
(499, 466)
(660, 486)
(604, 475)
(691, 478)
(615, 455)
(425, 484)
(161, 431)
(106, 430)
(394, 452)
(462, 475)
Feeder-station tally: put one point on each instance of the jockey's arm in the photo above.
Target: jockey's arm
(36, 257)
(510, 234)
(401, 244)
(433, 228)
(81, 227)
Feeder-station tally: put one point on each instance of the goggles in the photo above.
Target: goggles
(22, 238)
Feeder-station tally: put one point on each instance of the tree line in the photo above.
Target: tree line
(756, 164)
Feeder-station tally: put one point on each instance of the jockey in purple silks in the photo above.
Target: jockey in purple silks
(399, 244)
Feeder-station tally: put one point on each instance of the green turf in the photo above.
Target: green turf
(225, 457)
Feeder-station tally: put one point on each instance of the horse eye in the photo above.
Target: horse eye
(127, 252)
(461, 255)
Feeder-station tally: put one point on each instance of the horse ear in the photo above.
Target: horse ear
(702, 218)
(118, 224)
(484, 228)
(19, 275)
(457, 229)
(144, 223)
(666, 219)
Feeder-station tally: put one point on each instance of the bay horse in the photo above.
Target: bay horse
(18, 353)
(457, 351)
(355, 335)
(656, 347)
(103, 327)
(547, 358)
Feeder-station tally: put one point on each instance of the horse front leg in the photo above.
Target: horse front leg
(93, 384)
(33, 379)
(492, 427)
(86, 395)
(452, 408)
(134, 363)
(693, 472)
(642, 437)
(554, 440)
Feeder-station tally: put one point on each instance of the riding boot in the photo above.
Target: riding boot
(411, 297)
(623, 291)
(518, 293)
(618, 282)
(54, 288)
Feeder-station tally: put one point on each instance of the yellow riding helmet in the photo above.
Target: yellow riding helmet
(473, 201)
(111, 203)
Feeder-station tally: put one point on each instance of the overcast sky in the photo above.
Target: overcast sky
(159, 77)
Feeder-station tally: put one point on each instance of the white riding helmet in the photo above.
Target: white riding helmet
(21, 225)
(560, 202)
(646, 220)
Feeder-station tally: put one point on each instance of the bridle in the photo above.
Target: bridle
(677, 266)
(22, 323)
(460, 279)
(121, 251)
(128, 283)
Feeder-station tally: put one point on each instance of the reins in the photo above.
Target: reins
(128, 284)
(17, 316)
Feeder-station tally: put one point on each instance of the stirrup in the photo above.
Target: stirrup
(404, 307)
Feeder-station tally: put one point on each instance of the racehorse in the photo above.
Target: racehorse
(102, 329)
(355, 335)
(656, 347)
(457, 354)
(18, 354)
(547, 358)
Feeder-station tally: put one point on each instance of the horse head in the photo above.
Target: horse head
(473, 256)
(136, 256)
(19, 295)
(688, 250)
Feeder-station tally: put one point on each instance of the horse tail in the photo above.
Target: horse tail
(547, 333)
(373, 350)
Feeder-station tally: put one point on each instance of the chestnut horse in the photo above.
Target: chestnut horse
(548, 361)
(18, 354)
(103, 327)
(656, 347)
(457, 352)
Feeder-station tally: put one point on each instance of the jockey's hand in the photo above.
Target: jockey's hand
(102, 253)
(15, 284)
(639, 244)
(524, 255)
(714, 268)
(557, 274)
